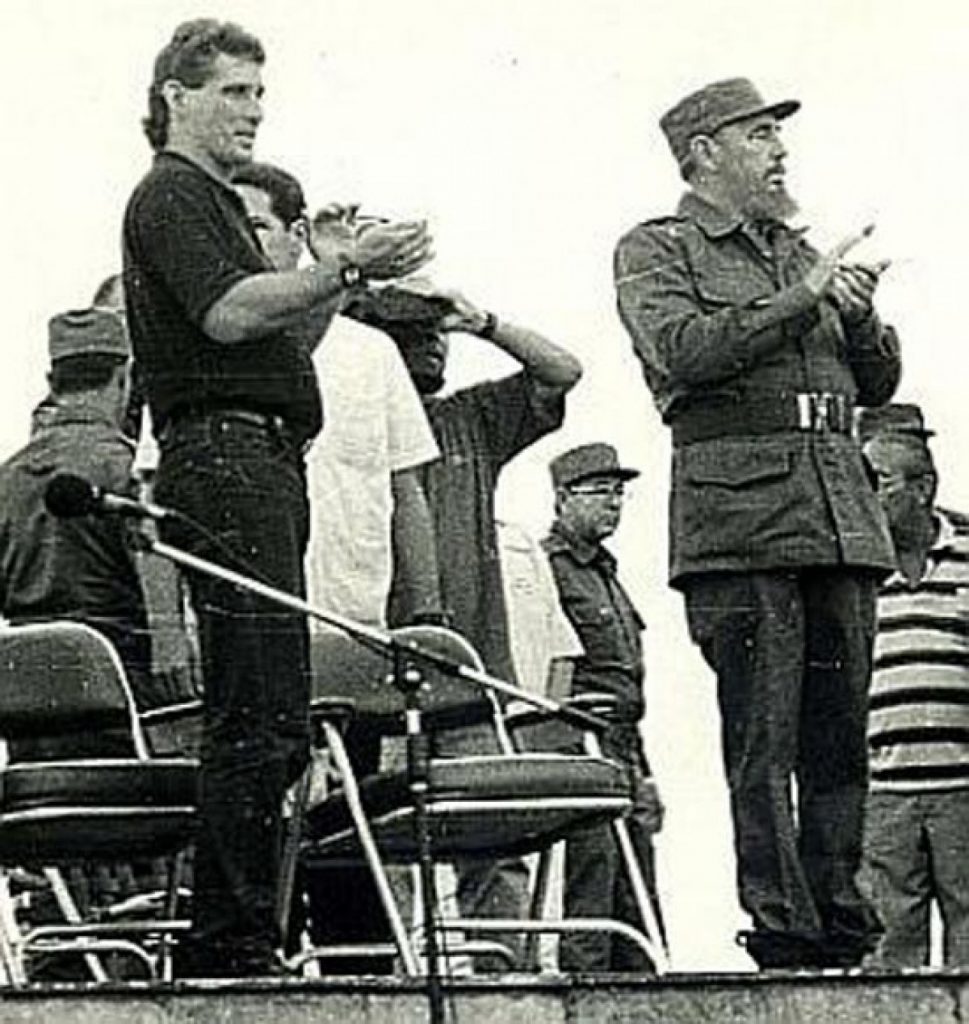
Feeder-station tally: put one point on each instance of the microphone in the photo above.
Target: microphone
(68, 496)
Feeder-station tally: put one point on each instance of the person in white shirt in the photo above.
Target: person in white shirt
(370, 523)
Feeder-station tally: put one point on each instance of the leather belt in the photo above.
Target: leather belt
(817, 412)
(270, 422)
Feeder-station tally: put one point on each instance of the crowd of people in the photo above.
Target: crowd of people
(292, 367)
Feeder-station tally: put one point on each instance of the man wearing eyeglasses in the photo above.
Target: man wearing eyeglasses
(589, 487)
(917, 816)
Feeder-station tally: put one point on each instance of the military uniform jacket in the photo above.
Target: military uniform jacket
(750, 491)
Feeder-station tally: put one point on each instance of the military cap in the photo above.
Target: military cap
(597, 459)
(705, 111)
(895, 420)
(86, 332)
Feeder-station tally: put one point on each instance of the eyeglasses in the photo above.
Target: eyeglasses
(601, 490)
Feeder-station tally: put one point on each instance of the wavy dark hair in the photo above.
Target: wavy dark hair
(189, 59)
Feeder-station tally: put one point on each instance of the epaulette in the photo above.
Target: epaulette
(669, 224)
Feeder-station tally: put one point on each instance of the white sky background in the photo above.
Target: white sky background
(525, 130)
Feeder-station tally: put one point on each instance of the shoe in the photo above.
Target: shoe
(845, 950)
(776, 950)
(193, 959)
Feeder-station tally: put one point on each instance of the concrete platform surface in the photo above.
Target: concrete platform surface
(913, 998)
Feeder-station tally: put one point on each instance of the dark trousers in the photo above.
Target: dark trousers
(596, 882)
(792, 654)
(915, 854)
(245, 485)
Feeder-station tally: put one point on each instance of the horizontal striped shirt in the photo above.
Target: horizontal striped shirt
(918, 726)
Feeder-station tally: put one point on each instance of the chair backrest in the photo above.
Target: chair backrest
(346, 667)
(61, 679)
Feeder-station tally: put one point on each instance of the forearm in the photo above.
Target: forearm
(548, 363)
(875, 359)
(699, 348)
(416, 580)
(275, 300)
(686, 338)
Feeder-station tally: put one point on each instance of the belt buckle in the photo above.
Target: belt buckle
(823, 407)
(816, 410)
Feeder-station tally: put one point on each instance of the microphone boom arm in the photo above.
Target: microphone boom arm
(379, 637)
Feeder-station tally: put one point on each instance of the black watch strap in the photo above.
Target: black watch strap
(351, 275)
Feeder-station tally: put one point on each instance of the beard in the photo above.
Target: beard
(756, 199)
(770, 204)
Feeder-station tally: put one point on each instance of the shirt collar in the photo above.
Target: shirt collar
(166, 155)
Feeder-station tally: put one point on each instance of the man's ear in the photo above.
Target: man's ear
(173, 92)
(704, 150)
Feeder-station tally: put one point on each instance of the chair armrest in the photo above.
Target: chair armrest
(338, 710)
(535, 729)
(171, 713)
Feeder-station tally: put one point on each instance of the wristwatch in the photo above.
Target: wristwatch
(351, 275)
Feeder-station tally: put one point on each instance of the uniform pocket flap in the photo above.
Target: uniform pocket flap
(734, 465)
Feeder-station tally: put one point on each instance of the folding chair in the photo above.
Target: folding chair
(486, 806)
(534, 729)
(78, 786)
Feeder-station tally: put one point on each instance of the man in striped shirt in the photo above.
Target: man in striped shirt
(918, 811)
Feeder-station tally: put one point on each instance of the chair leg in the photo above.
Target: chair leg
(176, 867)
(290, 858)
(543, 873)
(653, 932)
(11, 949)
(369, 846)
(67, 906)
(644, 903)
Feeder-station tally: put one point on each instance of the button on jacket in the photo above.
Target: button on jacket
(693, 291)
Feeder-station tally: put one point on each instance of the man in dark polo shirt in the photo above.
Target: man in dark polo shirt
(222, 342)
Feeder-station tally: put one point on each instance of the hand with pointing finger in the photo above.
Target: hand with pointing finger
(853, 289)
(819, 277)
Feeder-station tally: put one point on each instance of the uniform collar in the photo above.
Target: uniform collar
(714, 222)
(717, 223)
(561, 540)
(58, 413)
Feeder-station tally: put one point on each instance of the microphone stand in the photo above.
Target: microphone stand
(408, 679)
(377, 637)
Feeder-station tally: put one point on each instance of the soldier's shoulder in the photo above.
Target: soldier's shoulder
(661, 230)
(663, 224)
